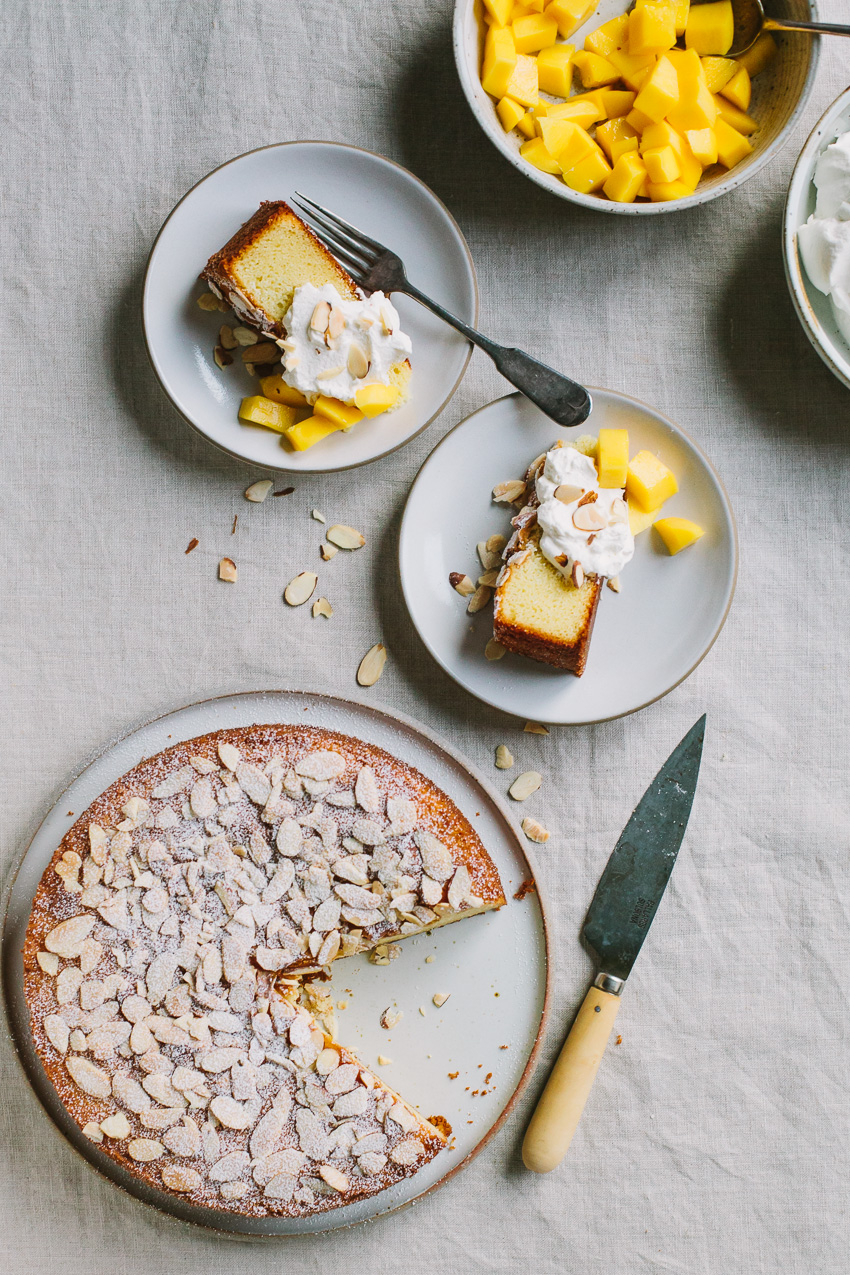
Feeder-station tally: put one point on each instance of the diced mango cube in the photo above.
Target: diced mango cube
(699, 113)
(500, 11)
(526, 125)
(732, 146)
(617, 137)
(678, 533)
(652, 28)
(375, 398)
(739, 89)
(649, 482)
(335, 410)
(633, 68)
(663, 134)
(509, 112)
(275, 387)
(307, 433)
(681, 7)
(522, 85)
(627, 179)
(703, 144)
(580, 110)
(590, 173)
(758, 55)
(258, 410)
(710, 27)
(594, 70)
(612, 457)
(662, 164)
(500, 58)
(533, 6)
(638, 120)
(555, 70)
(739, 120)
(534, 33)
(536, 153)
(660, 91)
(572, 144)
(689, 71)
(639, 519)
(569, 14)
(718, 71)
(615, 102)
(610, 36)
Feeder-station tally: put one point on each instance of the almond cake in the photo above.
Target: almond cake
(168, 945)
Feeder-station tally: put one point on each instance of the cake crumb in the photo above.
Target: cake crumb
(342, 1004)
(284, 491)
(233, 528)
(453, 1075)
(193, 544)
(422, 1010)
(383, 1061)
(429, 960)
(618, 1041)
(527, 887)
(535, 728)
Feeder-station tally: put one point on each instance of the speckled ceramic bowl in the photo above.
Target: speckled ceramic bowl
(813, 308)
(780, 94)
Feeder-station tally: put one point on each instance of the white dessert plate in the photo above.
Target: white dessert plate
(646, 639)
(375, 194)
(814, 310)
(495, 967)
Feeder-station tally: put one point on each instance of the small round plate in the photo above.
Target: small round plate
(373, 193)
(495, 967)
(646, 639)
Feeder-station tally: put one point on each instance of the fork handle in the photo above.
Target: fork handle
(563, 400)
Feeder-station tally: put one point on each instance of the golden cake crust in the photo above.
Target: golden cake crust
(58, 899)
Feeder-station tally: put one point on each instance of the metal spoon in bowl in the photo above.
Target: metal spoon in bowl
(750, 21)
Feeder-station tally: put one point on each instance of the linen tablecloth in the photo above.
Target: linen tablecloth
(716, 1140)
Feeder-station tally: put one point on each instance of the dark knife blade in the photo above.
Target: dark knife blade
(639, 868)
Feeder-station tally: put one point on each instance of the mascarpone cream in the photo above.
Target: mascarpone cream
(602, 552)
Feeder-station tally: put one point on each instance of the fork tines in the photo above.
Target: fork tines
(354, 249)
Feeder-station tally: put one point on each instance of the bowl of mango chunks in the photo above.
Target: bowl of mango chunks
(632, 108)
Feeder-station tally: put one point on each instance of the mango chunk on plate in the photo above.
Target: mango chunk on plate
(275, 387)
(612, 457)
(649, 482)
(306, 433)
(335, 410)
(375, 398)
(258, 410)
(678, 533)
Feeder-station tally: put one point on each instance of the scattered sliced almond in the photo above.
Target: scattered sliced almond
(577, 574)
(358, 364)
(193, 544)
(525, 784)
(383, 1061)
(479, 599)
(226, 337)
(222, 358)
(614, 584)
(258, 491)
(320, 317)
(328, 551)
(345, 537)
(504, 757)
(489, 559)
(322, 607)
(300, 588)
(440, 998)
(207, 301)
(535, 728)
(507, 493)
(494, 650)
(567, 493)
(244, 336)
(461, 584)
(589, 498)
(534, 830)
(489, 578)
(314, 513)
(336, 322)
(227, 570)
(328, 374)
(495, 544)
(391, 1018)
(262, 352)
(372, 665)
(589, 518)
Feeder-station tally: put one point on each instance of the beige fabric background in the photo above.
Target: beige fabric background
(717, 1139)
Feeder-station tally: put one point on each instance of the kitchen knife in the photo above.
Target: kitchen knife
(622, 910)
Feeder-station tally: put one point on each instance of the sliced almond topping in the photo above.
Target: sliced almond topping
(577, 574)
(589, 518)
(507, 493)
(320, 317)
(489, 559)
(614, 584)
(258, 491)
(300, 588)
(227, 570)
(479, 599)
(383, 1061)
(262, 352)
(494, 650)
(495, 544)
(336, 322)
(504, 757)
(567, 493)
(461, 583)
(535, 728)
(589, 498)
(358, 364)
(209, 302)
(328, 551)
(525, 784)
(619, 511)
(222, 358)
(489, 578)
(440, 998)
(322, 607)
(345, 537)
(534, 830)
(314, 513)
(226, 339)
(328, 374)
(391, 1018)
(372, 665)
(244, 336)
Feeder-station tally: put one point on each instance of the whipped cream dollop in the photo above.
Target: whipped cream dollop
(333, 345)
(602, 551)
(824, 241)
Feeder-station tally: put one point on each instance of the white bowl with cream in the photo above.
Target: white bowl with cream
(820, 315)
(780, 95)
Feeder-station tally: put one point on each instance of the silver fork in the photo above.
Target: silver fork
(376, 268)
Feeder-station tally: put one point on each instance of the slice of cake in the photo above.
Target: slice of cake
(571, 535)
(168, 943)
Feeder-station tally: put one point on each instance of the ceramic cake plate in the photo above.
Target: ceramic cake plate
(494, 967)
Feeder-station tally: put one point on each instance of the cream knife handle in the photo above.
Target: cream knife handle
(562, 1101)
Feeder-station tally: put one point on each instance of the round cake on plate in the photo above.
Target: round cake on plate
(175, 953)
